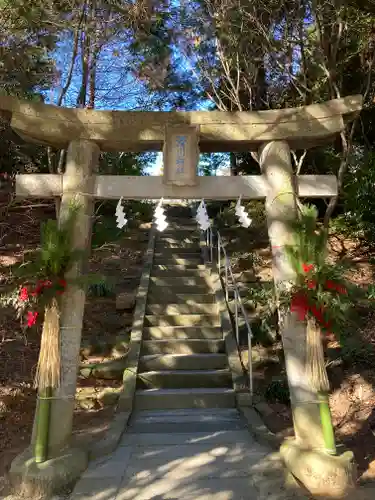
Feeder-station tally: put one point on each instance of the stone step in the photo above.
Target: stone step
(181, 237)
(180, 234)
(207, 361)
(191, 261)
(177, 309)
(161, 248)
(181, 332)
(182, 272)
(185, 218)
(148, 399)
(171, 296)
(181, 253)
(183, 320)
(219, 438)
(186, 420)
(173, 226)
(179, 268)
(185, 415)
(174, 288)
(187, 281)
(179, 243)
(186, 427)
(170, 379)
(182, 346)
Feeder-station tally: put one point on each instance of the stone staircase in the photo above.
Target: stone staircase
(185, 437)
(183, 363)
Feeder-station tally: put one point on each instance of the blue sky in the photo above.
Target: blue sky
(116, 88)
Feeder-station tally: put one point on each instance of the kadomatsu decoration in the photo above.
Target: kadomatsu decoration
(319, 297)
(42, 284)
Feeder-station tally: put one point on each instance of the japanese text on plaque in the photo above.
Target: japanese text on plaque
(180, 156)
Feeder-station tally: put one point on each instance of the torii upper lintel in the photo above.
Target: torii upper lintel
(221, 131)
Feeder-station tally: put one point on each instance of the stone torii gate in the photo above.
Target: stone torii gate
(182, 136)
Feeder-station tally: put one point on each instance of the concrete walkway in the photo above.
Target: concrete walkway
(191, 454)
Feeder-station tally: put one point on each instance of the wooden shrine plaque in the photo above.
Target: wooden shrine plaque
(181, 155)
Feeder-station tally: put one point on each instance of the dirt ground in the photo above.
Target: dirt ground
(120, 261)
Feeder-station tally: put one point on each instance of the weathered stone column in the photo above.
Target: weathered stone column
(281, 207)
(78, 185)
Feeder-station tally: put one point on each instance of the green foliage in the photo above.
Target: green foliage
(278, 392)
(359, 199)
(371, 292)
(103, 289)
(44, 275)
(226, 216)
(356, 351)
(320, 290)
(210, 163)
(125, 163)
(55, 256)
(309, 243)
(105, 231)
(265, 325)
(138, 212)
(26, 42)
(27, 38)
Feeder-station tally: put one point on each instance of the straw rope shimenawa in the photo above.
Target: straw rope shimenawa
(315, 364)
(49, 363)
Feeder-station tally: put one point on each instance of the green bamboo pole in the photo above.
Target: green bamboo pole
(326, 421)
(42, 425)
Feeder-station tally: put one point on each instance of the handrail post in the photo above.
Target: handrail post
(218, 254)
(226, 280)
(236, 317)
(237, 297)
(212, 246)
(250, 361)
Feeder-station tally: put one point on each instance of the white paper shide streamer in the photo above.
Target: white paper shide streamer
(242, 215)
(121, 221)
(202, 217)
(160, 218)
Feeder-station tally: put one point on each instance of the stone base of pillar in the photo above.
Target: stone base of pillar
(49, 477)
(323, 475)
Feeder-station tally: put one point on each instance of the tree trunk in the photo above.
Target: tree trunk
(233, 164)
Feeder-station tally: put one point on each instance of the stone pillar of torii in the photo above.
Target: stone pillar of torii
(182, 136)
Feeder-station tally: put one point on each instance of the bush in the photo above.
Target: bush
(359, 200)
(278, 392)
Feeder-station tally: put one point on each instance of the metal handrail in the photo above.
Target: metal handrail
(223, 261)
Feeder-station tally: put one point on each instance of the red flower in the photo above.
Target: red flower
(307, 267)
(341, 289)
(31, 318)
(40, 286)
(62, 286)
(300, 306)
(331, 285)
(311, 284)
(318, 313)
(24, 294)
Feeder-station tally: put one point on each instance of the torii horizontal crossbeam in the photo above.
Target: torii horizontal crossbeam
(135, 131)
(152, 187)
